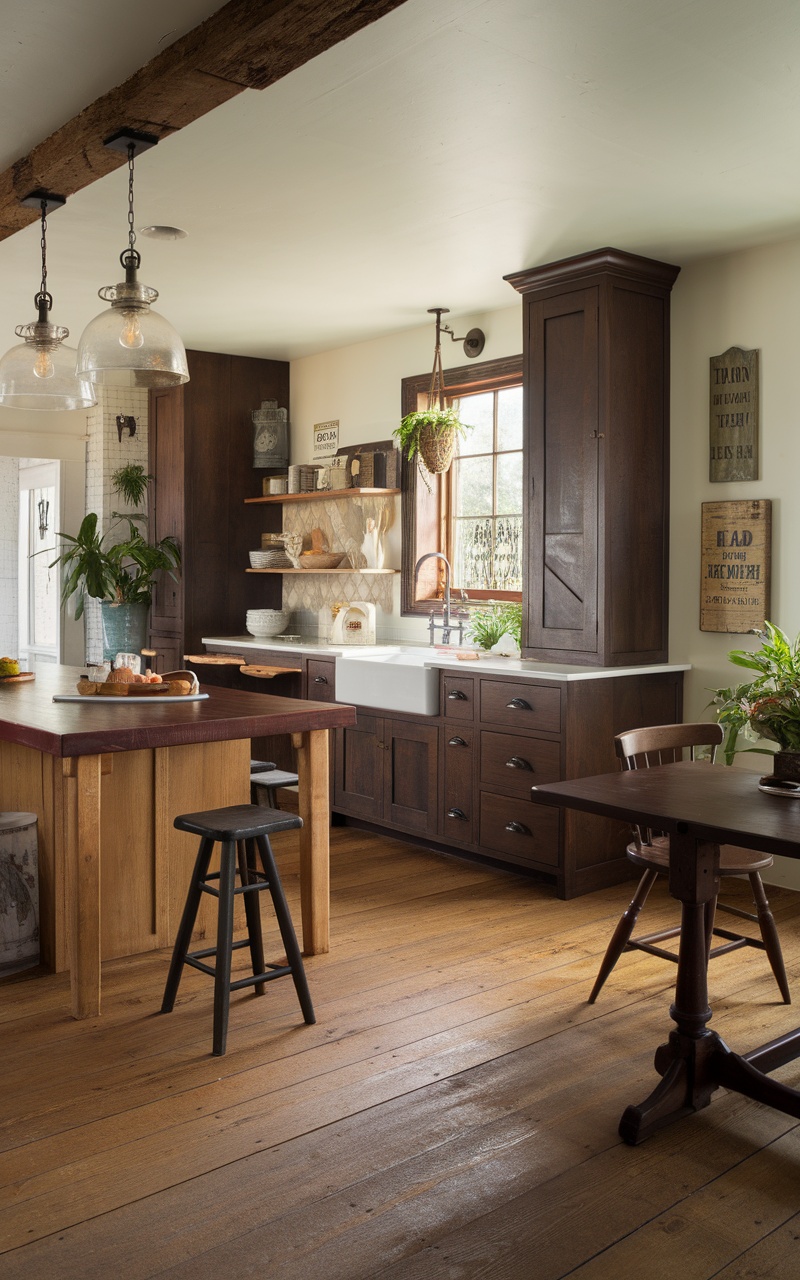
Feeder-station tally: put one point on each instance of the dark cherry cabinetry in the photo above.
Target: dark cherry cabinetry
(596, 376)
(385, 770)
(201, 455)
(497, 737)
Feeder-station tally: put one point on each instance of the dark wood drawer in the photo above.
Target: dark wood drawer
(515, 764)
(321, 680)
(522, 705)
(519, 830)
(458, 697)
(458, 801)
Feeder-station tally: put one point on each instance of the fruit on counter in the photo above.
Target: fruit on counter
(86, 686)
(121, 675)
(9, 667)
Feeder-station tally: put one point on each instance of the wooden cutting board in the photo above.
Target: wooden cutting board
(20, 679)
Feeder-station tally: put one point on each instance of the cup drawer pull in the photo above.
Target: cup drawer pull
(456, 695)
(320, 679)
(519, 704)
(516, 762)
(518, 828)
(456, 742)
(457, 813)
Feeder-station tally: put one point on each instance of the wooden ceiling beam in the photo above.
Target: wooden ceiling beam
(247, 44)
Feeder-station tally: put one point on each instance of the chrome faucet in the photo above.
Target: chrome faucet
(447, 623)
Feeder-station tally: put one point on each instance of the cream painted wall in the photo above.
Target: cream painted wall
(747, 299)
(360, 386)
(25, 433)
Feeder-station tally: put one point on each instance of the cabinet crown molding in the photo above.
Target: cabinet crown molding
(598, 262)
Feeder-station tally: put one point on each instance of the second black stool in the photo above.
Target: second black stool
(240, 830)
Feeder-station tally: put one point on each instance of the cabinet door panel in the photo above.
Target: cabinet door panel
(411, 790)
(562, 533)
(458, 697)
(358, 771)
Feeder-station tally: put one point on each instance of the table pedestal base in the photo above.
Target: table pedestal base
(695, 1061)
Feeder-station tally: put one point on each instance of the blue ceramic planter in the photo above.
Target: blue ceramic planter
(124, 628)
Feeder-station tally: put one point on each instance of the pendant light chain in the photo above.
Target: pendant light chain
(131, 226)
(43, 298)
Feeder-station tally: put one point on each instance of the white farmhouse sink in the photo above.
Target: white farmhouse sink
(389, 680)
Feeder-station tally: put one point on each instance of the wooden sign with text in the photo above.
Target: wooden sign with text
(733, 416)
(735, 568)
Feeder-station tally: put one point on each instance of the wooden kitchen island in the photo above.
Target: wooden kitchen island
(106, 781)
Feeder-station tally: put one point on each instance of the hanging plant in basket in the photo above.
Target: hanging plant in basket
(430, 435)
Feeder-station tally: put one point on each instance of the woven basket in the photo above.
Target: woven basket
(436, 449)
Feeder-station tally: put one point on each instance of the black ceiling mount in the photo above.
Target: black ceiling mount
(124, 138)
(33, 200)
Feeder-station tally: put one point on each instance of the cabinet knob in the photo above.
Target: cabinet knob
(516, 762)
(457, 813)
(455, 695)
(320, 679)
(456, 742)
(519, 704)
(518, 828)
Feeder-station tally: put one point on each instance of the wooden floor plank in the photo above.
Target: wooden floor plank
(452, 1113)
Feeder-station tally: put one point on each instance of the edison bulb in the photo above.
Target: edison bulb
(43, 366)
(131, 335)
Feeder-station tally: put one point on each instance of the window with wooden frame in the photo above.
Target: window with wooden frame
(473, 513)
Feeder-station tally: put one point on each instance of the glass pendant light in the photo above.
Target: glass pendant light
(129, 345)
(40, 372)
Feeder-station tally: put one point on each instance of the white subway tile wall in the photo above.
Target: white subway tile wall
(9, 533)
(105, 453)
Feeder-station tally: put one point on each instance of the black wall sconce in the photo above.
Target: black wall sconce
(474, 342)
(125, 423)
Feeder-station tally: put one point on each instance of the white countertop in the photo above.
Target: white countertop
(487, 664)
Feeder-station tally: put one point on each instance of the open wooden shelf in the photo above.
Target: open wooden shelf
(323, 495)
(307, 572)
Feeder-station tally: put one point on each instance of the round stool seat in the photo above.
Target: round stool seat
(273, 778)
(237, 822)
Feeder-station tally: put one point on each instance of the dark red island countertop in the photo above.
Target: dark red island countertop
(29, 717)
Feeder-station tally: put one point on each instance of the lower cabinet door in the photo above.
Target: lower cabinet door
(168, 652)
(359, 767)
(410, 774)
(519, 831)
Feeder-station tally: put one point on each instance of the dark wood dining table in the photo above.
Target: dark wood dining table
(699, 806)
(107, 778)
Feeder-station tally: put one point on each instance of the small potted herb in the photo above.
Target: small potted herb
(487, 626)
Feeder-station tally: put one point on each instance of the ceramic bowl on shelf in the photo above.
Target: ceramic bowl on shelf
(266, 622)
(321, 559)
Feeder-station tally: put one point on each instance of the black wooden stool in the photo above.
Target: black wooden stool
(240, 829)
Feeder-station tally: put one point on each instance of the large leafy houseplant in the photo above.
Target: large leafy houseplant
(769, 705)
(107, 567)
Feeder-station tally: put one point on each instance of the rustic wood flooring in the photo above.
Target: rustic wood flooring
(452, 1114)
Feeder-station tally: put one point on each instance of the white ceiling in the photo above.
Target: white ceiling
(446, 145)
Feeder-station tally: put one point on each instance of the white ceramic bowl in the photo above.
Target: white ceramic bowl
(266, 622)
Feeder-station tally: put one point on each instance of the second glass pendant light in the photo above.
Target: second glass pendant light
(130, 345)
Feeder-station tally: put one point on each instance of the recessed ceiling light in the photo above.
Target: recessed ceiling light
(163, 233)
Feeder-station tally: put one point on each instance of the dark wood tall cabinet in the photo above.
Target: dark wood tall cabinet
(201, 455)
(596, 378)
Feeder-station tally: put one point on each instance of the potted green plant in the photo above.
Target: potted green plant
(768, 706)
(118, 571)
(488, 625)
(430, 435)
